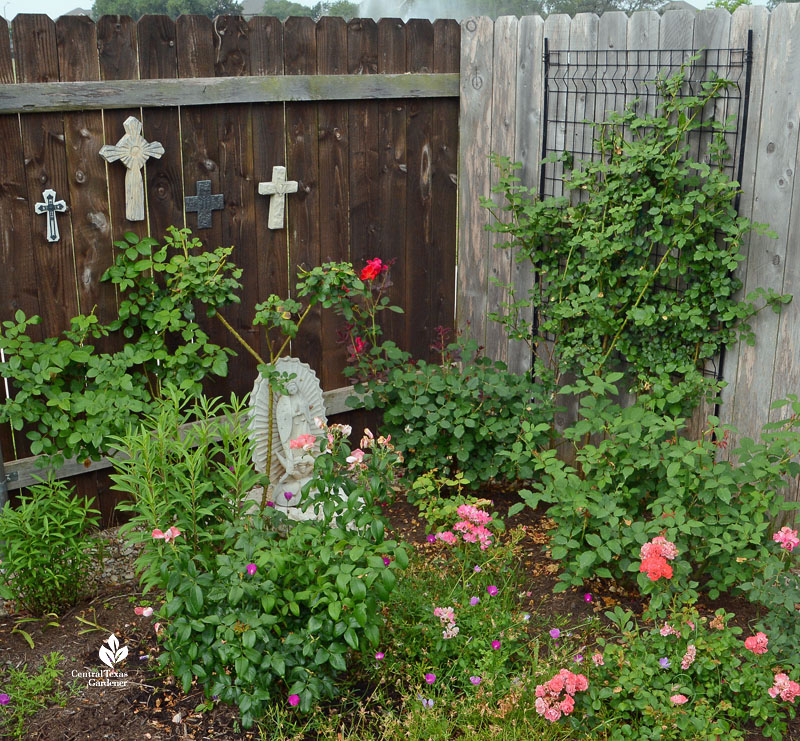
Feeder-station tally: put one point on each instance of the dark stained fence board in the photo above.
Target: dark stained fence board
(45, 167)
(302, 165)
(238, 185)
(444, 180)
(334, 186)
(270, 272)
(362, 59)
(419, 201)
(391, 223)
(158, 58)
(116, 41)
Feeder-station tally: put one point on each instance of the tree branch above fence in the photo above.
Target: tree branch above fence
(71, 96)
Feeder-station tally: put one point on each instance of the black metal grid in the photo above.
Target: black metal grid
(582, 87)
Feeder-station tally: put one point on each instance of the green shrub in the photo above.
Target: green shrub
(635, 477)
(458, 414)
(718, 691)
(49, 553)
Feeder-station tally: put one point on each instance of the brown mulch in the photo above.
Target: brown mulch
(152, 708)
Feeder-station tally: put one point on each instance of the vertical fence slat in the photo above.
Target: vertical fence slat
(777, 152)
(527, 150)
(334, 186)
(644, 31)
(237, 183)
(392, 176)
(746, 18)
(362, 59)
(447, 43)
(300, 58)
(116, 41)
(270, 273)
(474, 175)
(504, 102)
(157, 37)
(45, 167)
(419, 212)
(88, 195)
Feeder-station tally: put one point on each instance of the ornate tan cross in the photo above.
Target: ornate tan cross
(278, 189)
(134, 150)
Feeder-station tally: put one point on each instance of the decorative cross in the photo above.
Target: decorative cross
(277, 189)
(134, 150)
(49, 207)
(204, 203)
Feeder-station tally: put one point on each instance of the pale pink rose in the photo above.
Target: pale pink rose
(678, 699)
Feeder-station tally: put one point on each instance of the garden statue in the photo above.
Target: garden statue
(293, 419)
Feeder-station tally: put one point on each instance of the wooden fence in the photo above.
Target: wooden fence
(375, 161)
(502, 96)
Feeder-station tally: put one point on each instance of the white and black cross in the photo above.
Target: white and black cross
(50, 207)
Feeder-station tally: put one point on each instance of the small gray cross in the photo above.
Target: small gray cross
(204, 203)
(49, 207)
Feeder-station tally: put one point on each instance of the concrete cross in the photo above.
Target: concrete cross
(277, 189)
(204, 203)
(134, 150)
(49, 207)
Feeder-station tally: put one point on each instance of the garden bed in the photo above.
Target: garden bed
(151, 706)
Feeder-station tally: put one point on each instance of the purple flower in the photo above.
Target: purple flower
(379, 656)
(555, 633)
(475, 680)
(386, 560)
(430, 678)
(270, 504)
(426, 703)
(526, 617)
(495, 645)
(664, 661)
(251, 568)
(578, 659)
(474, 600)
(587, 597)
(492, 590)
(4, 699)
(294, 700)
(431, 538)
(477, 569)
(288, 495)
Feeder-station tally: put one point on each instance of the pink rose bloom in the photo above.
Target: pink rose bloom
(668, 630)
(556, 684)
(598, 659)
(787, 538)
(785, 687)
(757, 643)
(540, 705)
(567, 705)
(552, 714)
(678, 699)
(356, 457)
(689, 656)
(447, 537)
(171, 534)
(659, 547)
(304, 442)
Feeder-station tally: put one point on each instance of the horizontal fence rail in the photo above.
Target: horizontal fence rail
(73, 96)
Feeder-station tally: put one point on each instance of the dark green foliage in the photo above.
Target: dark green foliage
(173, 8)
(74, 397)
(641, 220)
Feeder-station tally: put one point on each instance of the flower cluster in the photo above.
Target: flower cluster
(787, 538)
(655, 555)
(689, 657)
(304, 442)
(472, 527)
(757, 643)
(668, 630)
(447, 617)
(549, 702)
(784, 687)
(373, 269)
